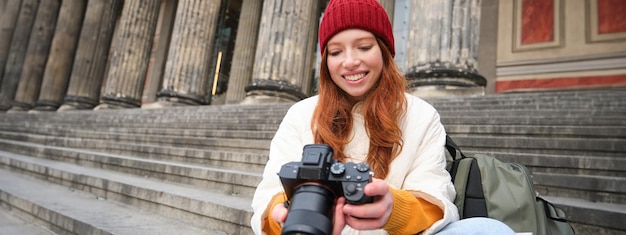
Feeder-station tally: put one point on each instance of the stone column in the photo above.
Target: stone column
(390, 6)
(186, 71)
(311, 52)
(36, 56)
(8, 17)
(158, 55)
(285, 52)
(17, 53)
(130, 55)
(91, 56)
(443, 48)
(245, 47)
(59, 65)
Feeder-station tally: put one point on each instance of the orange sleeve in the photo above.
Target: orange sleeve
(268, 224)
(410, 214)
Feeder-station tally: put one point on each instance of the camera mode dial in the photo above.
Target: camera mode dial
(362, 167)
(337, 168)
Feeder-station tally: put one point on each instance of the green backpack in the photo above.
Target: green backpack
(488, 187)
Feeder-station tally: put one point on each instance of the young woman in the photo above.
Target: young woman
(364, 114)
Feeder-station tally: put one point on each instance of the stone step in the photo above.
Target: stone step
(595, 188)
(203, 110)
(227, 144)
(228, 181)
(538, 131)
(599, 97)
(561, 164)
(573, 146)
(118, 120)
(202, 207)
(62, 210)
(73, 131)
(44, 126)
(211, 157)
(552, 120)
(195, 110)
(516, 113)
(202, 113)
(592, 217)
(609, 106)
(471, 104)
(13, 223)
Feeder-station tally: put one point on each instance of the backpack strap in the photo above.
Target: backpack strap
(556, 219)
(553, 212)
(470, 200)
(453, 148)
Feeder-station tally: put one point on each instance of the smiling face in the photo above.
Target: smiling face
(354, 61)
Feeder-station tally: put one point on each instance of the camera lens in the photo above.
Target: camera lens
(310, 211)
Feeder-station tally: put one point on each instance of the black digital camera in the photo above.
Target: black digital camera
(313, 185)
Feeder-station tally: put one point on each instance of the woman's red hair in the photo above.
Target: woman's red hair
(383, 107)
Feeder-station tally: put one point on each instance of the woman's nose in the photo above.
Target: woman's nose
(351, 61)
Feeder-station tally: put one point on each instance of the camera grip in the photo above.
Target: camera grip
(357, 176)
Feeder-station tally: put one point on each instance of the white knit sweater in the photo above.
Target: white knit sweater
(420, 167)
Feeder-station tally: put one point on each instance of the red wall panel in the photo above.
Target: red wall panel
(611, 16)
(537, 21)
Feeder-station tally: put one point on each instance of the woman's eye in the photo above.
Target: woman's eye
(365, 48)
(334, 53)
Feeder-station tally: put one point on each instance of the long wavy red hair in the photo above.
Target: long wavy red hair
(383, 107)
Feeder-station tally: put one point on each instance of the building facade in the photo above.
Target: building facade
(58, 55)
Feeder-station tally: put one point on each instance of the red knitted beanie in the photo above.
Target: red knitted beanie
(362, 14)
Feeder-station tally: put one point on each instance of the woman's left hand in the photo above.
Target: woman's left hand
(373, 215)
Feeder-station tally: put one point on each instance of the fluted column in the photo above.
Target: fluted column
(90, 60)
(443, 47)
(130, 54)
(8, 17)
(311, 52)
(245, 48)
(285, 51)
(17, 53)
(58, 67)
(36, 56)
(158, 55)
(186, 71)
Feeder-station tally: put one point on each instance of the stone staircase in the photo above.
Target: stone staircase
(574, 143)
(193, 170)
